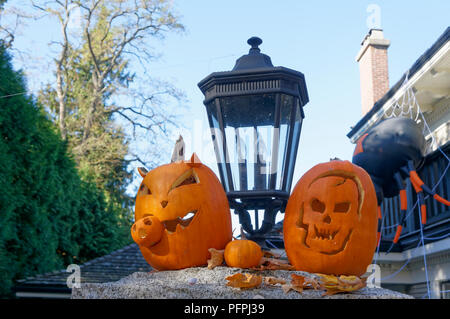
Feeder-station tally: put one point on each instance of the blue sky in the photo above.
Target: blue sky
(318, 38)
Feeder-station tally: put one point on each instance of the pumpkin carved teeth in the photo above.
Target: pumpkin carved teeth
(324, 234)
(179, 223)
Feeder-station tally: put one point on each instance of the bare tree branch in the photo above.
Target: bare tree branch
(102, 75)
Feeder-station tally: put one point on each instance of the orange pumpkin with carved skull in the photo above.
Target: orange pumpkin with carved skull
(330, 223)
(181, 211)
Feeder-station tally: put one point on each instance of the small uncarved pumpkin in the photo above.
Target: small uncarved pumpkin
(330, 223)
(243, 253)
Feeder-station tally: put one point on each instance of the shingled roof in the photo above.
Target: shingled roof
(420, 62)
(112, 267)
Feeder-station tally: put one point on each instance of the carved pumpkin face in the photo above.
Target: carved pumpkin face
(190, 203)
(330, 223)
(331, 216)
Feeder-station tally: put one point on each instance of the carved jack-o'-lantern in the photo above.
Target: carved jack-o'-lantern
(181, 211)
(330, 223)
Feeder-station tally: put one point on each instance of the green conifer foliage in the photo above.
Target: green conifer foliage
(49, 217)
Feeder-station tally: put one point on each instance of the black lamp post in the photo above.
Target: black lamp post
(255, 113)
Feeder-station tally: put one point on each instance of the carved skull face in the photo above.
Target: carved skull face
(330, 222)
(330, 216)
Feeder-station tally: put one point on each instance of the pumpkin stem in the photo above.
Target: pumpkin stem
(243, 234)
(178, 151)
(234, 238)
(142, 171)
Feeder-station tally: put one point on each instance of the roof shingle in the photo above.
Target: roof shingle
(112, 267)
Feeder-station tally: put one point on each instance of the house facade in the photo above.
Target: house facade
(419, 264)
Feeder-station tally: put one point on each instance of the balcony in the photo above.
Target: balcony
(438, 215)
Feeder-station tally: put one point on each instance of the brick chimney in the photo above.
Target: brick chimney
(373, 68)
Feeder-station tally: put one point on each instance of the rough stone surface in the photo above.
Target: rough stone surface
(202, 283)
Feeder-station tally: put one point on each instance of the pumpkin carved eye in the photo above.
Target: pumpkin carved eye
(144, 190)
(187, 178)
(342, 207)
(317, 205)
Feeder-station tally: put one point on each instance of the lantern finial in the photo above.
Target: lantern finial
(254, 42)
(254, 58)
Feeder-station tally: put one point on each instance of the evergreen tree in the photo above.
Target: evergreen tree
(49, 216)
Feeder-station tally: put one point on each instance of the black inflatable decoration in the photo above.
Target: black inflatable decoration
(390, 152)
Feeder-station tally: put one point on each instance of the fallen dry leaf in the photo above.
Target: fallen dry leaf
(342, 284)
(350, 280)
(328, 280)
(244, 281)
(273, 264)
(296, 284)
(288, 287)
(299, 282)
(311, 283)
(269, 280)
(216, 258)
(269, 254)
